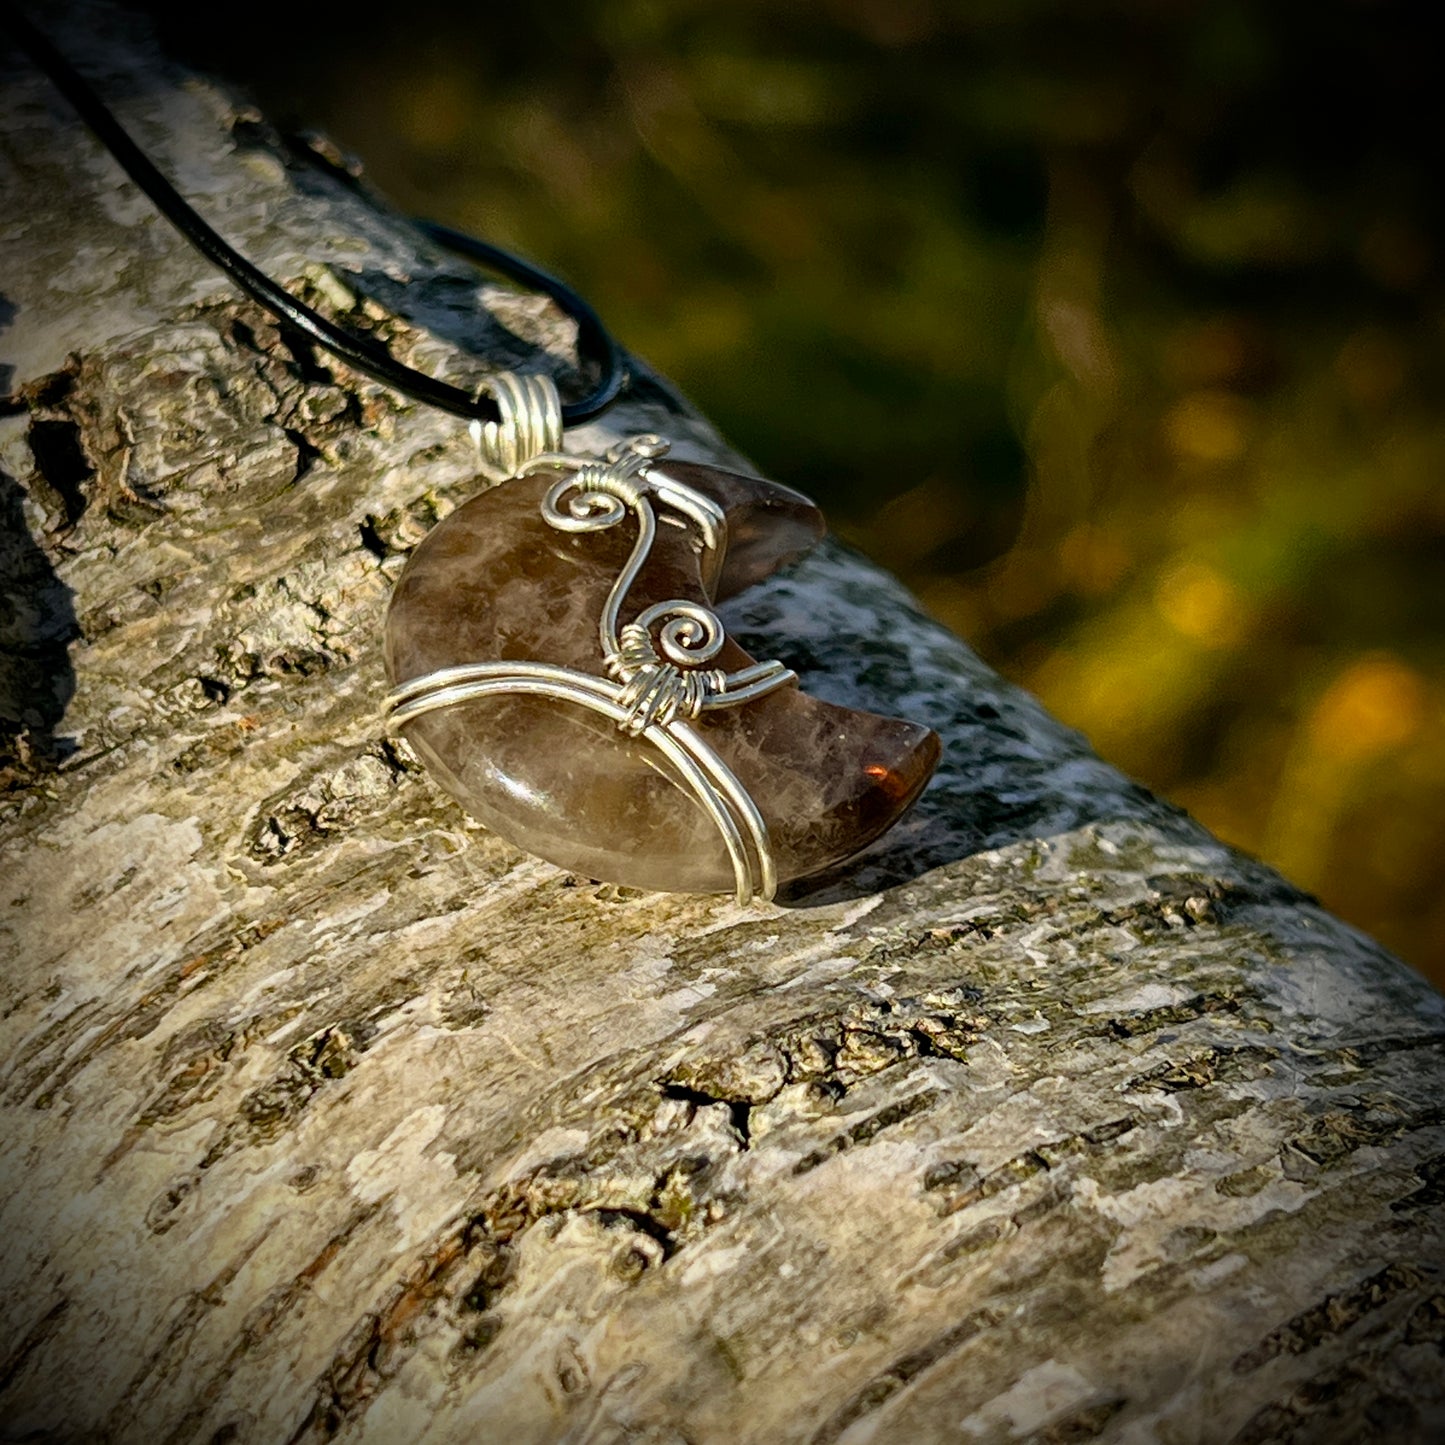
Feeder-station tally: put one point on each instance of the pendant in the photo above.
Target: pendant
(557, 665)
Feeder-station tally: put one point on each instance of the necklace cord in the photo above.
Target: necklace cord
(365, 355)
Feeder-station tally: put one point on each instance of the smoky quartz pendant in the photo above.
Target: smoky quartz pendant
(557, 665)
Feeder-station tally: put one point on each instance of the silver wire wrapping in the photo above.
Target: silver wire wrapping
(656, 681)
(531, 420)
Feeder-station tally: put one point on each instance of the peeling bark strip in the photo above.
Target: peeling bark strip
(328, 1116)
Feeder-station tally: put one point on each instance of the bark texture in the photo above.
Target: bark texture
(329, 1115)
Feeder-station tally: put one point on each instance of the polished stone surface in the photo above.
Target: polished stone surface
(495, 582)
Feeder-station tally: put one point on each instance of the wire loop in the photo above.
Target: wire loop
(530, 422)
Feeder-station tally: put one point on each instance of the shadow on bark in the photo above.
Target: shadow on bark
(7, 371)
(37, 626)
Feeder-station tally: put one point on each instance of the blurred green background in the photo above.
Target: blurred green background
(1116, 331)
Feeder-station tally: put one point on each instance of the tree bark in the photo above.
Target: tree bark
(329, 1114)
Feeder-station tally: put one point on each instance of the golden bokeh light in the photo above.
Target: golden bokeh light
(1375, 704)
(1202, 604)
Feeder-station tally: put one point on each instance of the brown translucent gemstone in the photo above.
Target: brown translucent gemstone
(495, 582)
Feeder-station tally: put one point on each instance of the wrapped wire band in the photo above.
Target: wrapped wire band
(531, 421)
(594, 341)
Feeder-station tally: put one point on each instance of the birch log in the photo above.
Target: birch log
(329, 1115)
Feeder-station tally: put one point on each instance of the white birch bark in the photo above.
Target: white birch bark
(326, 1114)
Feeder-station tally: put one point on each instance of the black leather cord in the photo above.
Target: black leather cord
(594, 341)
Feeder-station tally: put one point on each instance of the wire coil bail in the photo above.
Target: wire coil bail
(531, 421)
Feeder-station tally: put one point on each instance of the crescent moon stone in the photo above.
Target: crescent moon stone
(495, 582)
